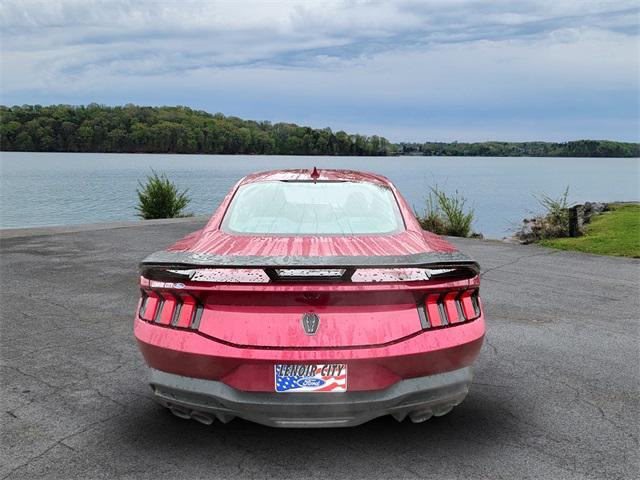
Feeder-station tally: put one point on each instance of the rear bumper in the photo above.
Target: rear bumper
(250, 369)
(204, 400)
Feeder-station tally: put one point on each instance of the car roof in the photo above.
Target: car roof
(336, 175)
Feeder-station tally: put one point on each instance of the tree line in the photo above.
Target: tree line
(136, 129)
(578, 148)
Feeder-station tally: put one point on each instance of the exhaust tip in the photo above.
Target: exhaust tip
(442, 411)
(180, 412)
(420, 416)
(202, 418)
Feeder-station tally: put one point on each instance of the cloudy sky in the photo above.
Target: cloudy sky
(409, 70)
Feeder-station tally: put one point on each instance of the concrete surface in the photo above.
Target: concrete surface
(87, 227)
(556, 393)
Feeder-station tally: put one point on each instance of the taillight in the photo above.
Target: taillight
(149, 305)
(170, 308)
(449, 308)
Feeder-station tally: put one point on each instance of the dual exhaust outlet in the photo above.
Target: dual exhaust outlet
(187, 414)
(416, 416)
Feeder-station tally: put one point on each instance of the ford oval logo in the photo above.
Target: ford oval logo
(310, 382)
(310, 323)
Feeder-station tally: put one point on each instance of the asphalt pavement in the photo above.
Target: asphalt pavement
(555, 395)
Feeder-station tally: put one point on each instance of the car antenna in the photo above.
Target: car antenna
(315, 175)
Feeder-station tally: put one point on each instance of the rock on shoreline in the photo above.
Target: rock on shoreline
(571, 224)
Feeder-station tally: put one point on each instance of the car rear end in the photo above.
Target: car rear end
(309, 340)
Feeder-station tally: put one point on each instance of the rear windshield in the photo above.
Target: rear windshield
(307, 208)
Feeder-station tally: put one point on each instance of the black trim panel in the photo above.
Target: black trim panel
(426, 259)
(156, 265)
(424, 318)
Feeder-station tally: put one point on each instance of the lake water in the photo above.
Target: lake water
(38, 189)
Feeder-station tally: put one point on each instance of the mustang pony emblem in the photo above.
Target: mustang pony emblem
(310, 323)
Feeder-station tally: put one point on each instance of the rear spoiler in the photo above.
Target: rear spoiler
(175, 266)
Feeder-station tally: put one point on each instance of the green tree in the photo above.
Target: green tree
(132, 128)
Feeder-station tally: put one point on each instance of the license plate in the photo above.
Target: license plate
(327, 377)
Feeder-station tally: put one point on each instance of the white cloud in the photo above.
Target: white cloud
(427, 59)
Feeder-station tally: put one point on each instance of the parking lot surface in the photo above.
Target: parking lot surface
(555, 395)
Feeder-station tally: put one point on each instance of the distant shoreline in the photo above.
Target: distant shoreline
(180, 130)
(267, 155)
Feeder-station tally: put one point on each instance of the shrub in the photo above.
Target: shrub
(446, 215)
(457, 221)
(552, 223)
(160, 198)
(557, 214)
(432, 218)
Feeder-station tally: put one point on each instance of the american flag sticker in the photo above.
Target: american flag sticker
(329, 377)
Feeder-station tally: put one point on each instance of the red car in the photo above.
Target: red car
(310, 299)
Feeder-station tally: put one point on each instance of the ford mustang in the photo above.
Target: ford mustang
(310, 299)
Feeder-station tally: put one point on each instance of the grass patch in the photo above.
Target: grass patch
(616, 232)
